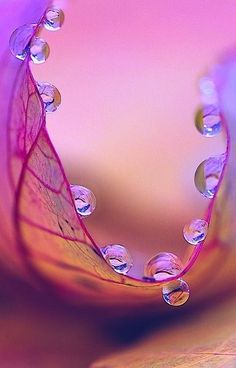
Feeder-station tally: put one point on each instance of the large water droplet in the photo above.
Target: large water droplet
(195, 232)
(54, 18)
(39, 50)
(118, 257)
(208, 121)
(208, 174)
(162, 266)
(50, 95)
(176, 293)
(20, 39)
(85, 201)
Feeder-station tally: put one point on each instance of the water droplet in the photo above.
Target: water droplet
(20, 39)
(85, 201)
(208, 174)
(208, 91)
(50, 95)
(54, 18)
(39, 50)
(163, 265)
(208, 121)
(195, 232)
(176, 293)
(118, 257)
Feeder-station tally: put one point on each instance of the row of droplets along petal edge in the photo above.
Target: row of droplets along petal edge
(24, 42)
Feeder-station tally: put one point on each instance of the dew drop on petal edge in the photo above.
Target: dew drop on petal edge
(162, 266)
(208, 174)
(208, 121)
(85, 201)
(118, 257)
(20, 39)
(195, 232)
(54, 19)
(39, 50)
(176, 293)
(50, 95)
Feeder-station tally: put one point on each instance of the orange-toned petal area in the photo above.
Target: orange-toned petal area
(204, 339)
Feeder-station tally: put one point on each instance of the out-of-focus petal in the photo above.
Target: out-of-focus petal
(41, 230)
(207, 341)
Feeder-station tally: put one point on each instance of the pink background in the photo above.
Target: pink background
(128, 73)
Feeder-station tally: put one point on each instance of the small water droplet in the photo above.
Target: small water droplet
(54, 18)
(85, 201)
(39, 50)
(50, 95)
(20, 39)
(208, 121)
(162, 266)
(176, 293)
(208, 174)
(208, 91)
(118, 257)
(195, 232)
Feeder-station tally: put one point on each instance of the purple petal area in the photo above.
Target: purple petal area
(13, 15)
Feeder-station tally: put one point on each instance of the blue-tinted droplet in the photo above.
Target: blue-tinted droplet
(176, 293)
(85, 201)
(208, 121)
(208, 174)
(54, 19)
(118, 257)
(20, 40)
(39, 50)
(195, 232)
(50, 95)
(162, 266)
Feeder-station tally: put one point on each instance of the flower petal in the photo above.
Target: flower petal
(46, 234)
(185, 344)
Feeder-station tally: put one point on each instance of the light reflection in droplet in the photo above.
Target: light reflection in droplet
(85, 201)
(50, 95)
(176, 293)
(118, 257)
(54, 19)
(163, 265)
(39, 50)
(208, 174)
(195, 232)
